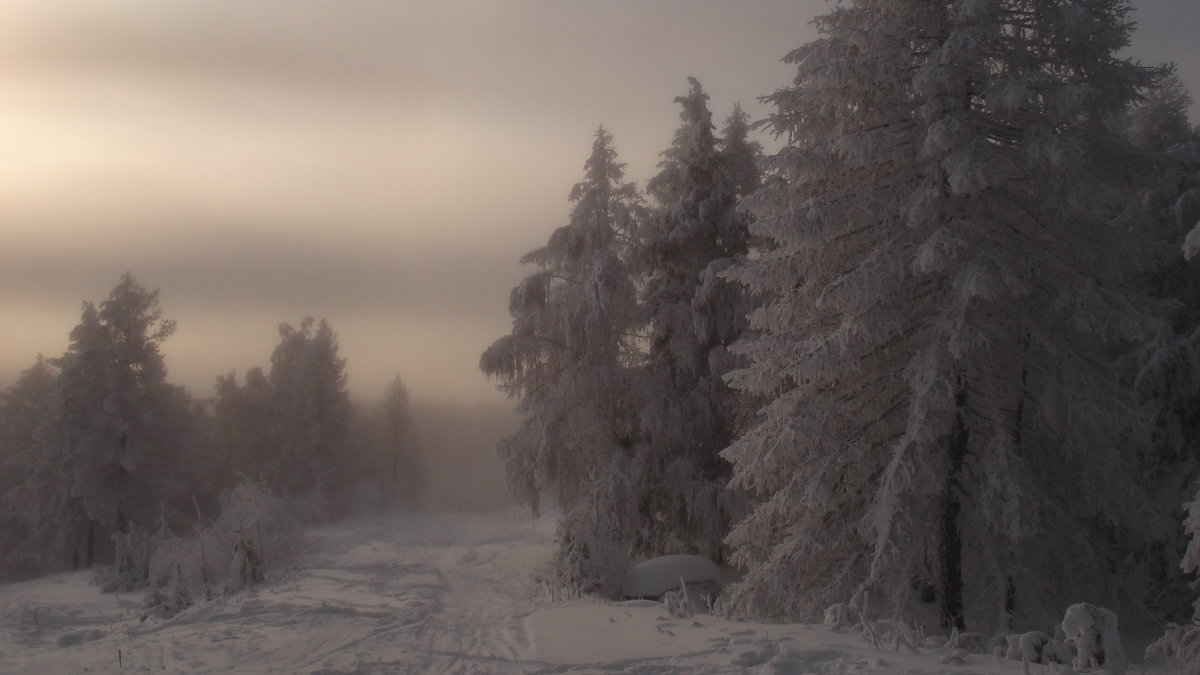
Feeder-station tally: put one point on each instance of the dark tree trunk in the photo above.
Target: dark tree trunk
(90, 545)
(1010, 586)
(951, 554)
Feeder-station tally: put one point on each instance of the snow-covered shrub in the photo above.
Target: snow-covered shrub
(131, 561)
(593, 546)
(1191, 527)
(589, 562)
(164, 603)
(1092, 631)
(1179, 646)
(248, 512)
(974, 643)
(245, 566)
(680, 603)
(1036, 647)
(839, 616)
(254, 533)
(179, 565)
(891, 634)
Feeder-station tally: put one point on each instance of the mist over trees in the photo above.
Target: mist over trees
(100, 452)
(939, 350)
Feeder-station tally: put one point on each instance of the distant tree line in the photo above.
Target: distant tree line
(938, 353)
(96, 444)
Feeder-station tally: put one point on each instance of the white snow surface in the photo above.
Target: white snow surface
(656, 576)
(423, 593)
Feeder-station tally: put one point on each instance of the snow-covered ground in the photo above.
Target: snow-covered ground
(426, 593)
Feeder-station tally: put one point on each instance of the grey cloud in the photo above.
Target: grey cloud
(274, 44)
(287, 274)
(331, 142)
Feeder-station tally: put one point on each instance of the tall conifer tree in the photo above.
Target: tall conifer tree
(567, 361)
(947, 302)
(695, 231)
(112, 460)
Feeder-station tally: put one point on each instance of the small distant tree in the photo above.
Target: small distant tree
(740, 156)
(241, 425)
(398, 445)
(25, 409)
(384, 466)
(311, 412)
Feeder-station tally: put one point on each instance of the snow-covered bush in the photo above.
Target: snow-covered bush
(131, 560)
(1191, 527)
(589, 559)
(254, 533)
(1036, 647)
(839, 616)
(1179, 646)
(1092, 632)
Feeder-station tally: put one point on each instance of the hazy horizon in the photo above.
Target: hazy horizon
(380, 165)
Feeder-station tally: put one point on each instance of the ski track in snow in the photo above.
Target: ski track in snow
(429, 594)
(443, 594)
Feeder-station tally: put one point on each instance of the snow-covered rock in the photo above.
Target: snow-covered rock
(654, 577)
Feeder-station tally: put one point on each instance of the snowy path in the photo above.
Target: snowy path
(431, 593)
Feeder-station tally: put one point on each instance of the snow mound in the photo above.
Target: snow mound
(654, 577)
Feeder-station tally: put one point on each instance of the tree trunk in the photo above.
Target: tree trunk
(90, 545)
(951, 554)
(1010, 586)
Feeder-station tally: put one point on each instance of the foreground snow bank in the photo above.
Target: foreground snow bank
(430, 593)
(654, 577)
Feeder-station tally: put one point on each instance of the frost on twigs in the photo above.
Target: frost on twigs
(839, 616)
(254, 534)
(1179, 647)
(130, 564)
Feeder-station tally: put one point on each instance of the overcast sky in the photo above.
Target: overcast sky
(382, 164)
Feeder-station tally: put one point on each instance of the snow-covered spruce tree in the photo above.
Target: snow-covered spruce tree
(113, 460)
(25, 409)
(740, 155)
(693, 233)
(311, 413)
(155, 419)
(947, 302)
(241, 426)
(567, 361)
(393, 458)
(1168, 385)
